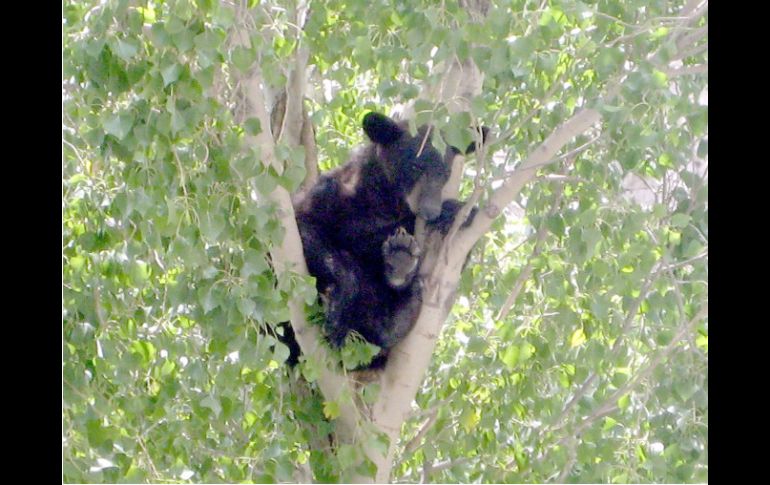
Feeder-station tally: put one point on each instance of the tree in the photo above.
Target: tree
(573, 347)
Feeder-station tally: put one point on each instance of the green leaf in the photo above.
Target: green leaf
(609, 60)
(510, 357)
(577, 338)
(267, 181)
(252, 126)
(159, 35)
(703, 148)
(358, 352)
(702, 341)
(526, 350)
(331, 409)
(280, 352)
(167, 368)
(254, 263)
(609, 423)
(469, 419)
(348, 456)
(77, 262)
(212, 403)
(247, 307)
(140, 272)
(680, 220)
(148, 14)
(476, 345)
(523, 47)
(293, 176)
(659, 32)
(660, 78)
(118, 125)
(171, 73)
(145, 350)
(243, 58)
(212, 225)
(184, 40)
(378, 443)
(126, 50)
(592, 237)
(208, 300)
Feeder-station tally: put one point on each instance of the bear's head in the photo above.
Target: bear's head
(411, 162)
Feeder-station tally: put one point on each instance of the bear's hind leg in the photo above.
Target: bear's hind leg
(404, 316)
(339, 278)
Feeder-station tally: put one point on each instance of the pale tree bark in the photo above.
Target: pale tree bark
(289, 119)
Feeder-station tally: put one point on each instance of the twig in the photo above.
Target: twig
(687, 70)
(426, 425)
(693, 37)
(693, 51)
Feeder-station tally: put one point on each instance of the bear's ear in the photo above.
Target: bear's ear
(381, 129)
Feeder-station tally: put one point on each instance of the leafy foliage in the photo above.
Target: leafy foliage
(573, 352)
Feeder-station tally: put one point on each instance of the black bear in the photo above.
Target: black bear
(356, 225)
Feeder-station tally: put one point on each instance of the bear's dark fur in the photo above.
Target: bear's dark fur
(356, 225)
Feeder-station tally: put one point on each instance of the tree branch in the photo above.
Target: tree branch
(687, 70)
(693, 51)
(501, 197)
(417, 440)
(307, 140)
(291, 126)
(289, 118)
(288, 256)
(691, 38)
(429, 468)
